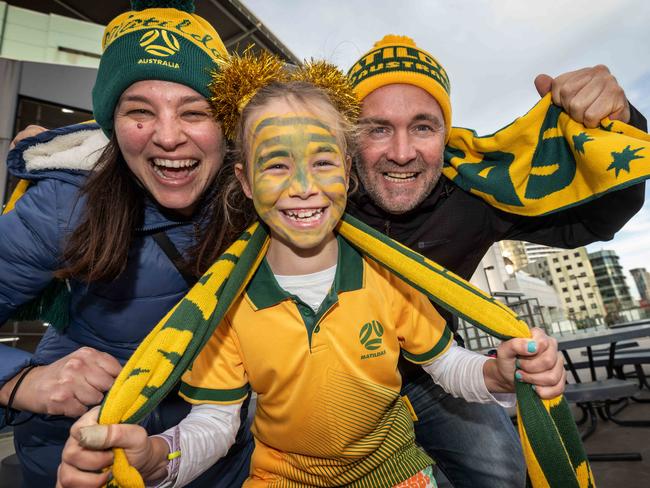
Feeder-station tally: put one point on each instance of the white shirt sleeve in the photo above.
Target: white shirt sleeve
(460, 373)
(205, 436)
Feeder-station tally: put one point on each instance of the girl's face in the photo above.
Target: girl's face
(296, 172)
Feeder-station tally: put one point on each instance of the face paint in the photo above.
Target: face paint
(298, 177)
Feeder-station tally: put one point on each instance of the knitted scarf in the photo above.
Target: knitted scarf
(552, 446)
(545, 161)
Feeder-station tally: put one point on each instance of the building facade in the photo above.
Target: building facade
(611, 282)
(642, 281)
(522, 253)
(571, 274)
(535, 302)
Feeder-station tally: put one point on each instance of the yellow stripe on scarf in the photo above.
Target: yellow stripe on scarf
(545, 161)
(18, 192)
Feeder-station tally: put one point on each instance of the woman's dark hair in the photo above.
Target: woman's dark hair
(98, 248)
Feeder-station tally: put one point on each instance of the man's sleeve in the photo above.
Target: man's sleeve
(422, 332)
(597, 220)
(217, 375)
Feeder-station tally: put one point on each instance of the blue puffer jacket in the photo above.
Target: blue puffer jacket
(111, 317)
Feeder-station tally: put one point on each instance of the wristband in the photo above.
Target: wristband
(10, 412)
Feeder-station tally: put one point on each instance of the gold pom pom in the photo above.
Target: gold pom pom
(392, 39)
(237, 80)
(240, 77)
(334, 82)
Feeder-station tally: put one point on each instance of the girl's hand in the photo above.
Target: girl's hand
(87, 455)
(536, 361)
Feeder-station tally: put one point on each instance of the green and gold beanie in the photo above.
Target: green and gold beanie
(157, 40)
(397, 59)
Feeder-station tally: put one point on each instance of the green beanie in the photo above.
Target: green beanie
(157, 40)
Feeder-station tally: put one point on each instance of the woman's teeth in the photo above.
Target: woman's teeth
(173, 168)
(307, 215)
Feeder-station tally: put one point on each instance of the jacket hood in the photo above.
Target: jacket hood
(67, 153)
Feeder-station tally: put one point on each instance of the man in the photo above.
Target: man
(404, 125)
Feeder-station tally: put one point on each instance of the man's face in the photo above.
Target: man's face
(401, 146)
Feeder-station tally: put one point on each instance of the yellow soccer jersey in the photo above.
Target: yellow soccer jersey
(328, 407)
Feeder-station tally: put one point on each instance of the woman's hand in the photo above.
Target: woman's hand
(536, 361)
(87, 456)
(68, 386)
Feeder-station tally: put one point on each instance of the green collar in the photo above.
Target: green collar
(264, 291)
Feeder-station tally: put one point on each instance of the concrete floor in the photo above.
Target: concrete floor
(612, 438)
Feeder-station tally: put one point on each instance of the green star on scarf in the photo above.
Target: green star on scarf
(623, 159)
(579, 142)
(607, 127)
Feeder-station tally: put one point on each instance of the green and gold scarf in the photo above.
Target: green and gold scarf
(545, 162)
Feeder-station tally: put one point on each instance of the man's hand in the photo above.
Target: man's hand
(66, 387)
(29, 131)
(87, 455)
(535, 361)
(588, 95)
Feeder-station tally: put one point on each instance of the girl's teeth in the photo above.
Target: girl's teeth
(304, 215)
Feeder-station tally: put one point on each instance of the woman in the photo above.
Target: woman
(112, 235)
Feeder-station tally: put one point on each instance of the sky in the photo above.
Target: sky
(492, 51)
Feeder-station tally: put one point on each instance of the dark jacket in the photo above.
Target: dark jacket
(455, 228)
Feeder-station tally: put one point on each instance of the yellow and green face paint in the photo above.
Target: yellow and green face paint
(298, 177)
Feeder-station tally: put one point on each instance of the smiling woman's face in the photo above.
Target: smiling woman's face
(296, 172)
(170, 141)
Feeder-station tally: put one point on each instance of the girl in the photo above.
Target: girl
(319, 329)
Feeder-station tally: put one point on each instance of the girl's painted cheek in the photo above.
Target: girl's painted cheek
(266, 190)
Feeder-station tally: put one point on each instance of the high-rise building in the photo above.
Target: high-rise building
(611, 281)
(539, 251)
(521, 253)
(515, 252)
(570, 273)
(642, 281)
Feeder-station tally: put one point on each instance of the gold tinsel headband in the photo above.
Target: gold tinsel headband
(240, 77)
